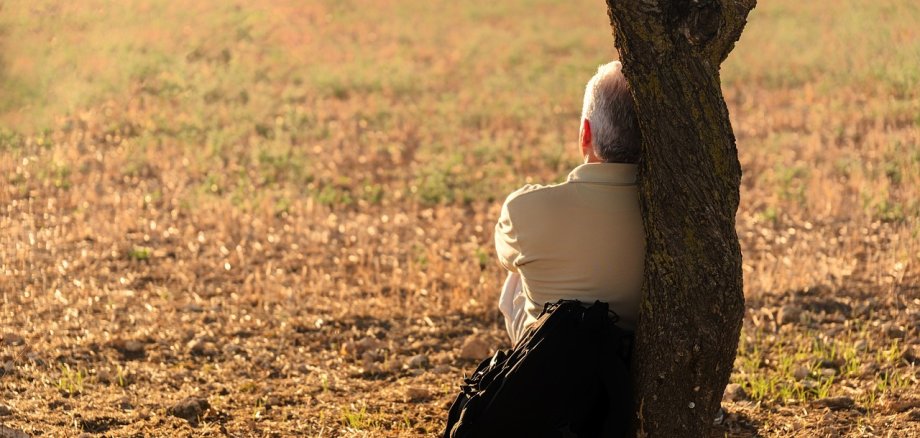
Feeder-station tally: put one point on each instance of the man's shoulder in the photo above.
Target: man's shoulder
(533, 195)
(532, 192)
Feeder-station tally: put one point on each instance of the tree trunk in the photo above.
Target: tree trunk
(689, 179)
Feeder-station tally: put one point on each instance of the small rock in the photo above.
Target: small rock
(911, 355)
(475, 347)
(125, 404)
(835, 403)
(868, 369)
(369, 359)
(103, 376)
(800, 373)
(202, 348)
(904, 405)
(789, 314)
(5, 411)
(417, 361)
(60, 404)
(6, 432)
(393, 364)
(194, 308)
(8, 368)
(442, 357)
(372, 369)
(441, 369)
(367, 344)
(234, 349)
(893, 331)
(130, 349)
(734, 393)
(861, 345)
(835, 364)
(828, 372)
(13, 339)
(189, 409)
(417, 393)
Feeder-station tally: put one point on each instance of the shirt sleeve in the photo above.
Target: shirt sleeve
(506, 241)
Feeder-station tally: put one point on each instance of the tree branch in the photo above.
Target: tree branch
(709, 28)
(735, 18)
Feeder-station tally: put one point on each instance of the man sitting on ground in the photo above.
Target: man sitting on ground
(582, 239)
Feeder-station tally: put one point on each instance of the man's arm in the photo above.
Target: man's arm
(506, 241)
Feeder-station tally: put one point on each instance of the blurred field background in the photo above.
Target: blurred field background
(285, 209)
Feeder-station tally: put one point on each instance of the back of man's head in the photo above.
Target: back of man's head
(609, 108)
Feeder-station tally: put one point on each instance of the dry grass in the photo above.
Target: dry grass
(275, 206)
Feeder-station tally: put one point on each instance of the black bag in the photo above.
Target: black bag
(567, 377)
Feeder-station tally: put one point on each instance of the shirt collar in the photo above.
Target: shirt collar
(605, 173)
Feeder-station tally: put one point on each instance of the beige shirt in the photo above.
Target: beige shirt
(579, 240)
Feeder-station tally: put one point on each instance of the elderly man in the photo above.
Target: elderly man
(582, 239)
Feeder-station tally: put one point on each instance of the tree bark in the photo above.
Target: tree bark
(689, 178)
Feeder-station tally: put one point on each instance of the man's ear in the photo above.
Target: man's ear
(586, 137)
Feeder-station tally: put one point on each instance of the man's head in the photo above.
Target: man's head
(609, 129)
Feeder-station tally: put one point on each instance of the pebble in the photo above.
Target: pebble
(801, 373)
(369, 359)
(125, 404)
(834, 403)
(367, 344)
(6, 432)
(132, 349)
(789, 314)
(8, 368)
(868, 369)
(371, 368)
(194, 308)
(189, 408)
(417, 393)
(417, 361)
(903, 405)
(202, 348)
(893, 331)
(103, 376)
(5, 411)
(13, 339)
(734, 393)
(861, 345)
(234, 349)
(475, 347)
(393, 364)
(914, 415)
(911, 355)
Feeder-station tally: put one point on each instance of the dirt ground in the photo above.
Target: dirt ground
(275, 219)
(269, 365)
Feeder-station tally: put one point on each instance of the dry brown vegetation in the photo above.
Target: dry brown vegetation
(285, 210)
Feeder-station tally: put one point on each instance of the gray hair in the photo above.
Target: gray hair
(609, 108)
